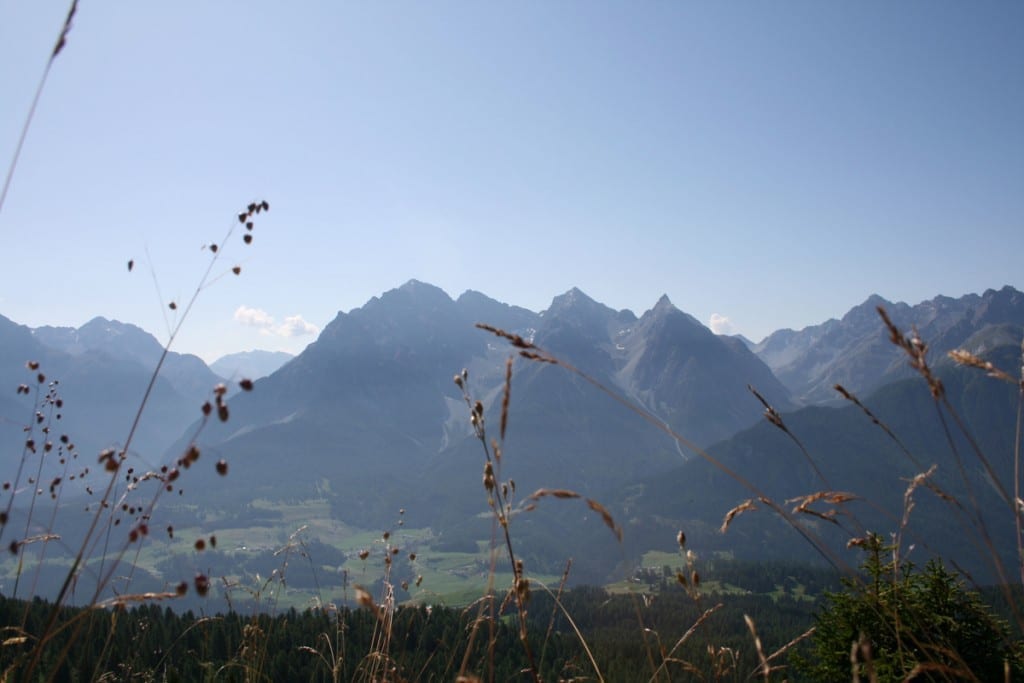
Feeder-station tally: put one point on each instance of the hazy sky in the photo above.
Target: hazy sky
(766, 164)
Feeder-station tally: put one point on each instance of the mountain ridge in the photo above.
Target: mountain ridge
(854, 350)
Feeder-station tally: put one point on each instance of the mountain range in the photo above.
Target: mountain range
(249, 364)
(369, 416)
(855, 350)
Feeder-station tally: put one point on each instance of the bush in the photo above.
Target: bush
(898, 623)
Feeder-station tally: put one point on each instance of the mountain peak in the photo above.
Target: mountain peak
(101, 325)
(472, 295)
(417, 293)
(1005, 293)
(664, 303)
(414, 285)
(575, 294)
(574, 298)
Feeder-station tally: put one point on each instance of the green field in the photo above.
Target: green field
(304, 539)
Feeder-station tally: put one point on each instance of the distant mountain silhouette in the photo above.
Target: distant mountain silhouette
(249, 364)
(123, 342)
(101, 387)
(855, 351)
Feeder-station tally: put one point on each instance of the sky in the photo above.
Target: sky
(765, 165)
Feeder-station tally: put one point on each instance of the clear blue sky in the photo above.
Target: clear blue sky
(770, 163)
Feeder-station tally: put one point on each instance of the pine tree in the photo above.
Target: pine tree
(899, 623)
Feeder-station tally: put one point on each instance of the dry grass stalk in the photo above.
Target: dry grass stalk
(505, 398)
(916, 350)
(122, 600)
(774, 417)
(609, 521)
(572, 623)
(916, 482)
(566, 494)
(877, 421)
(791, 644)
(732, 514)
(770, 414)
(830, 497)
(682, 639)
(554, 493)
(766, 668)
(498, 501)
(513, 339)
(968, 359)
(62, 40)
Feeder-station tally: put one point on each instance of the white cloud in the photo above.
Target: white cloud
(254, 317)
(293, 325)
(721, 324)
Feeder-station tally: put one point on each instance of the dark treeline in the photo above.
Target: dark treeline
(624, 633)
